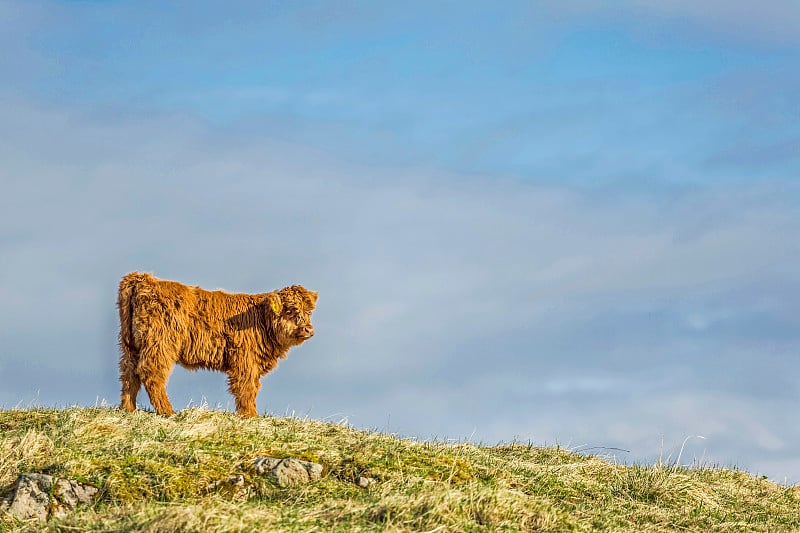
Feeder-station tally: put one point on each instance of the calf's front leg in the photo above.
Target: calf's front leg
(244, 386)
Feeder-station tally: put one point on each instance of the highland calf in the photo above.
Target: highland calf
(164, 322)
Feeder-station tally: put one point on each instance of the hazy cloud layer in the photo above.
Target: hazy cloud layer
(569, 224)
(451, 305)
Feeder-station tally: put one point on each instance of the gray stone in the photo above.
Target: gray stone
(288, 472)
(41, 496)
(31, 496)
(365, 482)
(69, 494)
(265, 464)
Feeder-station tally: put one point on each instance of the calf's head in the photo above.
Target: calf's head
(290, 309)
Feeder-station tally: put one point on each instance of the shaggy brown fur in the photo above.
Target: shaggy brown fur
(164, 322)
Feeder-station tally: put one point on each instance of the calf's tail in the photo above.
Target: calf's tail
(129, 360)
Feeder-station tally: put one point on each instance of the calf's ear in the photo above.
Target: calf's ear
(275, 303)
(313, 296)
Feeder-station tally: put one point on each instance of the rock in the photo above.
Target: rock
(265, 464)
(69, 494)
(30, 497)
(365, 482)
(41, 496)
(289, 471)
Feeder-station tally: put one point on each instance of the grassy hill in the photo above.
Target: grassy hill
(154, 475)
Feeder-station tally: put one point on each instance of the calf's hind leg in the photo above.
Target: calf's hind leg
(130, 388)
(153, 370)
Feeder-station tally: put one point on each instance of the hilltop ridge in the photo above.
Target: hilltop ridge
(154, 474)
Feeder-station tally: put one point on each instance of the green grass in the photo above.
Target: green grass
(153, 474)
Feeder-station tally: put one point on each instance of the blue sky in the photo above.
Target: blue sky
(559, 224)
